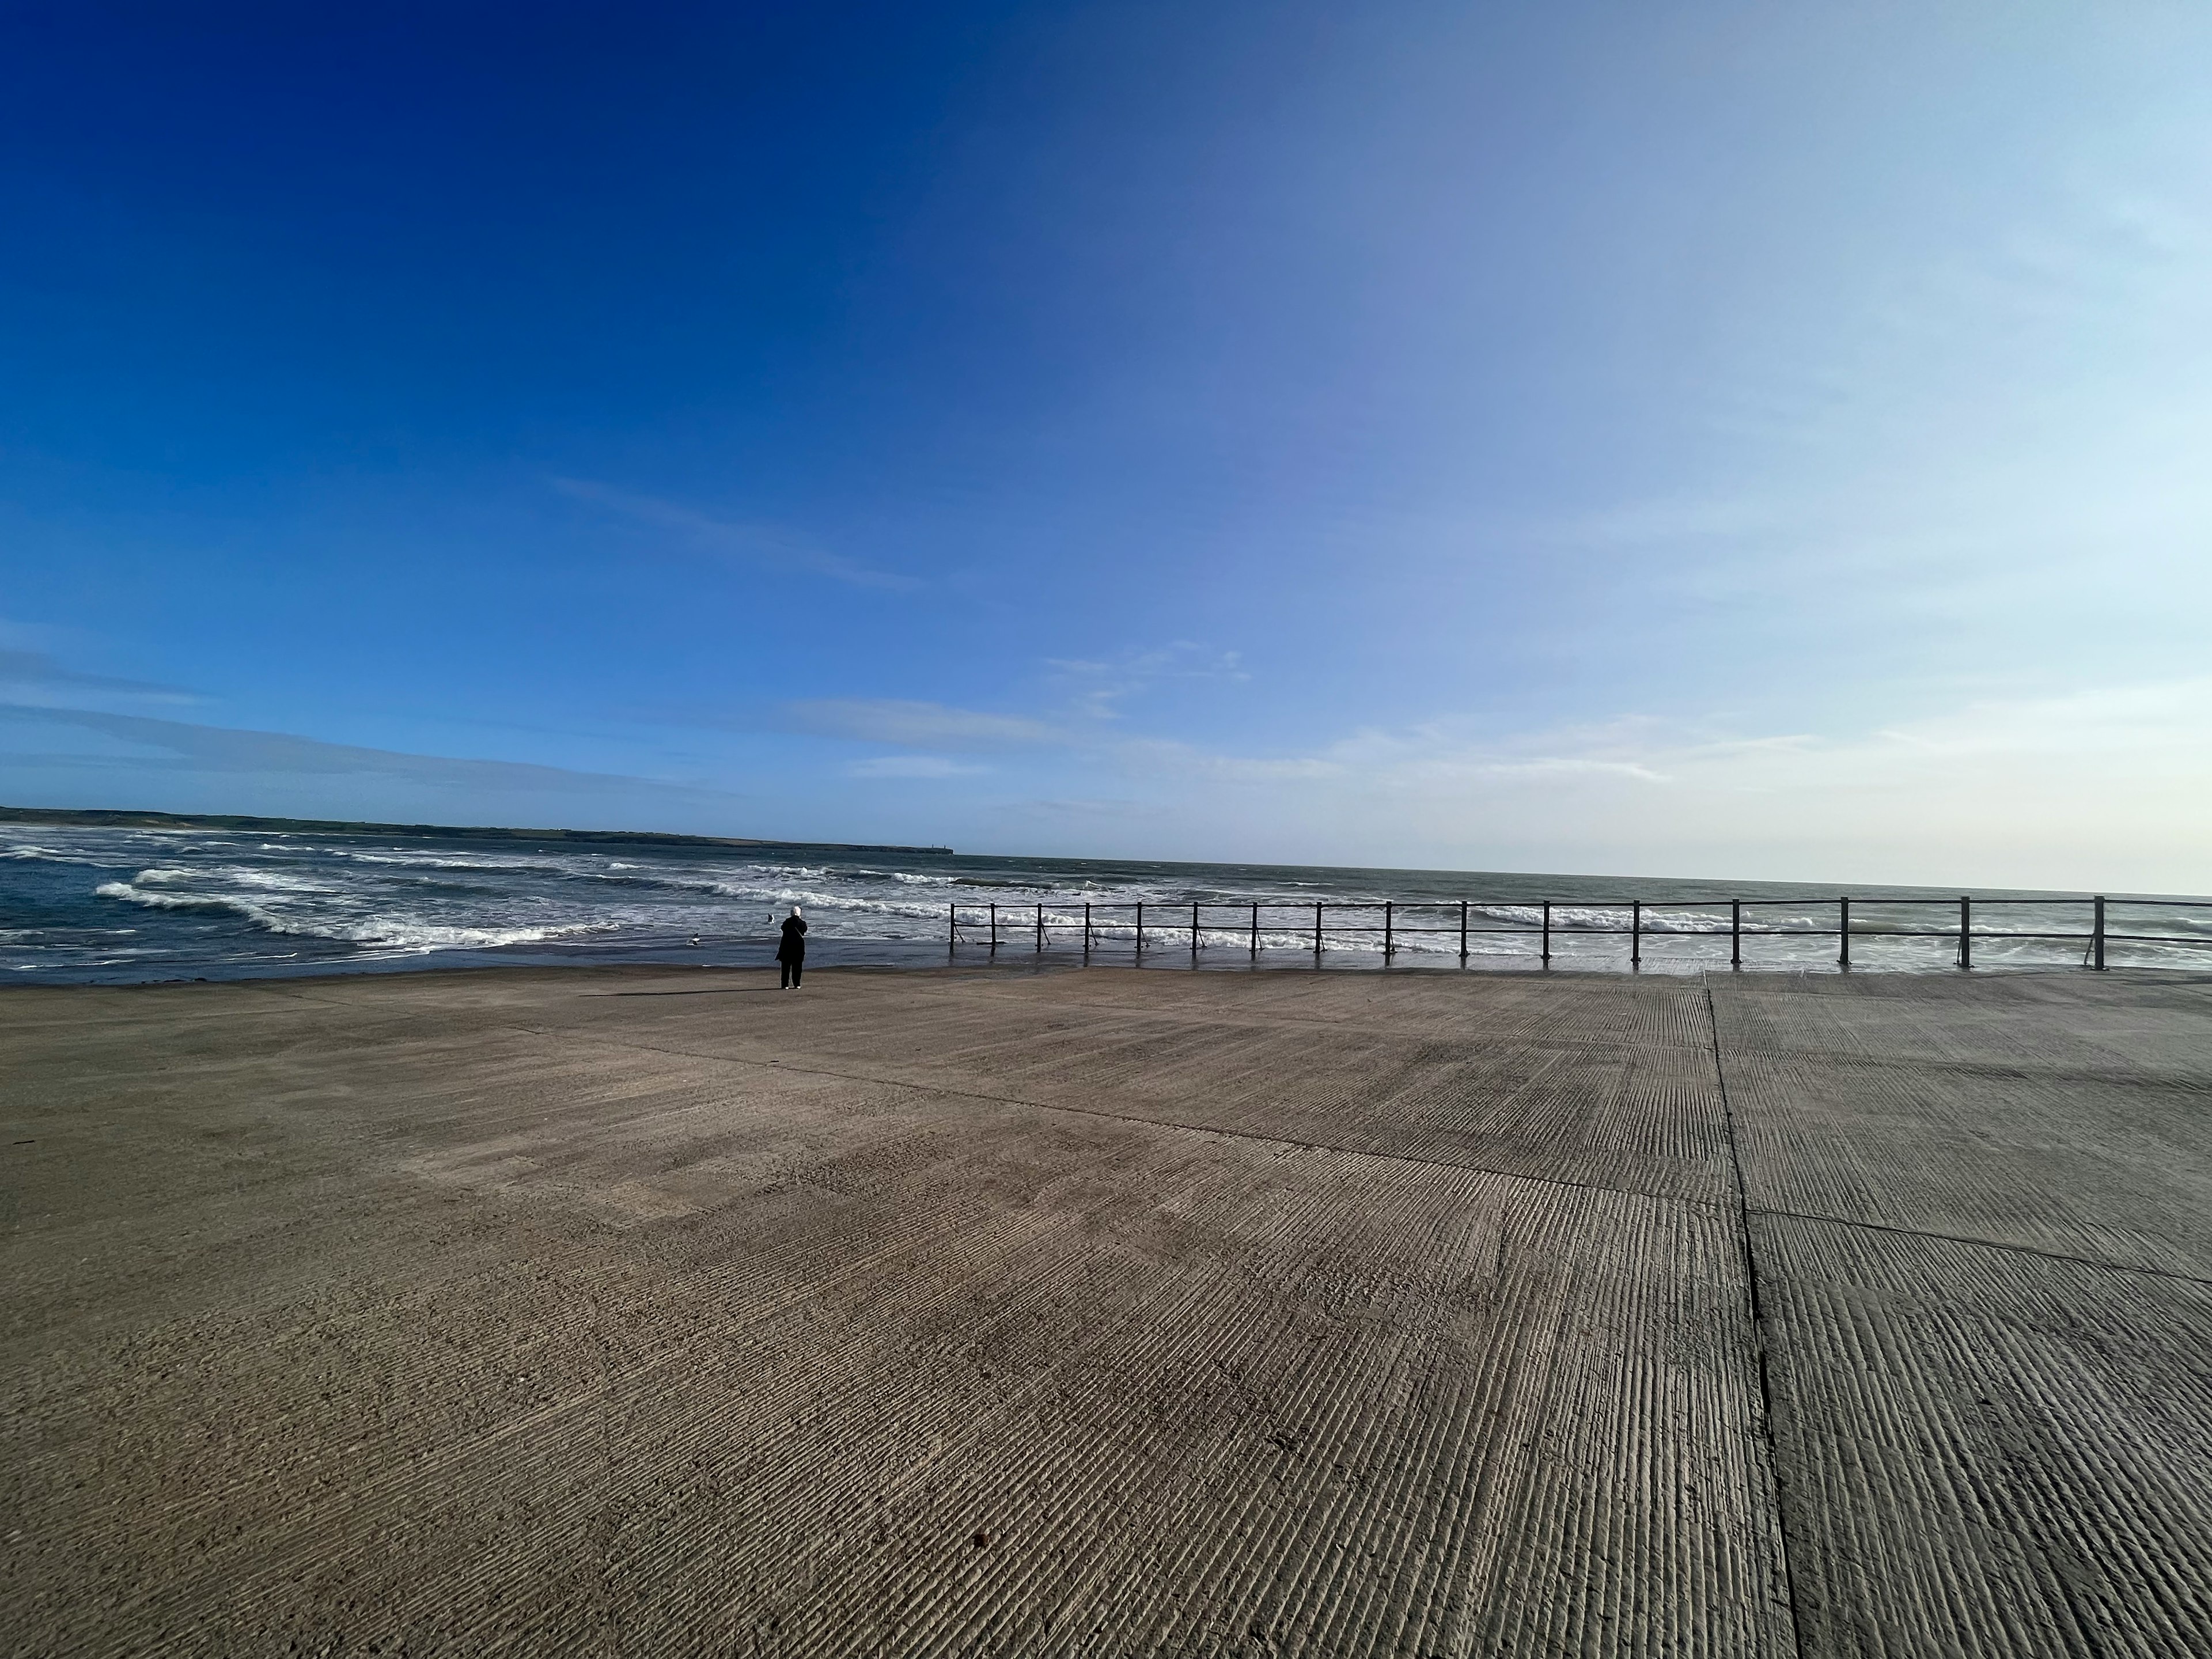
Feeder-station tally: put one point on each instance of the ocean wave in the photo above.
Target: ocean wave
(2181, 925)
(814, 898)
(615, 872)
(407, 934)
(400, 931)
(157, 900)
(31, 854)
(1602, 918)
(434, 861)
(267, 881)
(751, 883)
(867, 874)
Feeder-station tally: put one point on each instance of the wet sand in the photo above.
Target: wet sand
(657, 1311)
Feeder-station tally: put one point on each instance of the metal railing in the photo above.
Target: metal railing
(994, 924)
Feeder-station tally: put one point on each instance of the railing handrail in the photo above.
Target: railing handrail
(1585, 903)
(1249, 911)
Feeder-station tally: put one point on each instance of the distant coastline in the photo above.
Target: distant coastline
(100, 818)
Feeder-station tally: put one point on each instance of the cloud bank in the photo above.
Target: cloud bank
(66, 757)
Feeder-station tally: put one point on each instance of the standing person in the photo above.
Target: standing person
(792, 953)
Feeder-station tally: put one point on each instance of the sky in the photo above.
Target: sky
(1696, 439)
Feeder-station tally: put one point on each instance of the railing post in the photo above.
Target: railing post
(1193, 933)
(1086, 927)
(1141, 927)
(1040, 942)
(1636, 932)
(1316, 933)
(2100, 935)
(1256, 931)
(1462, 930)
(995, 927)
(1843, 932)
(1389, 942)
(1547, 933)
(1735, 933)
(952, 928)
(1966, 932)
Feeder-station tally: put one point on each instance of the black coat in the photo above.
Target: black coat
(794, 948)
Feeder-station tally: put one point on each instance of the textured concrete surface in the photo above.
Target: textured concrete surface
(1109, 1312)
(1981, 1210)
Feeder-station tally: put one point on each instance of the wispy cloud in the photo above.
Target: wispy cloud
(1660, 522)
(926, 725)
(765, 546)
(913, 766)
(2107, 786)
(137, 760)
(1100, 687)
(1162, 759)
(1096, 688)
(1087, 811)
(1571, 765)
(36, 678)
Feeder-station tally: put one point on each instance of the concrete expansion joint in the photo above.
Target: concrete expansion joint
(1992, 1071)
(1987, 1244)
(1759, 1347)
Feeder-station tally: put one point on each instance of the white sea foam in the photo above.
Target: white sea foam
(817, 898)
(157, 900)
(434, 861)
(30, 854)
(266, 881)
(396, 931)
(408, 934)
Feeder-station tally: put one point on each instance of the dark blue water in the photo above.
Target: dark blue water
(131, 905)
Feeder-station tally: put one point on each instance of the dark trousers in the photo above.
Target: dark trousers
(791, 972)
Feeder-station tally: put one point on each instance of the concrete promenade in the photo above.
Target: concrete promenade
(1107, 1312)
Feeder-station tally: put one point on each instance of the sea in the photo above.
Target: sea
(119, 906)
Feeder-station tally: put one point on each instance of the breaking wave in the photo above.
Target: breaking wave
(398, 932)
(48, 855)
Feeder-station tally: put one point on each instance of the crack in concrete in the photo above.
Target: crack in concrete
(1759, 1342)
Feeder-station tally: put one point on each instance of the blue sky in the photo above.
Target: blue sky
(1716, 439)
